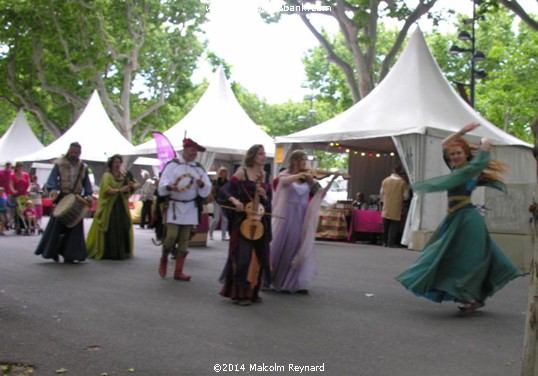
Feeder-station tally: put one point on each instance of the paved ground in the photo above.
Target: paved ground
(121, 318)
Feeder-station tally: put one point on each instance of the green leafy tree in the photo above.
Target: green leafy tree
(328, 78)
(138, 54)
(514, 6)
(505, 96)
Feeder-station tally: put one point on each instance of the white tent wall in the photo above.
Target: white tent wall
(42, 171)
(508, 216)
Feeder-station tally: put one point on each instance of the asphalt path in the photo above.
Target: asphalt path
(120, 318)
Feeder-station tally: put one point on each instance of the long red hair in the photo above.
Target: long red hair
(494, 169)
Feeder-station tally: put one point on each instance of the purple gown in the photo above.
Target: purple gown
(292, 257)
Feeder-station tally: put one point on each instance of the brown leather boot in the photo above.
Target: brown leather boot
(178, 273)
(163, 264)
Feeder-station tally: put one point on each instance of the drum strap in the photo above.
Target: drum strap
(79, 176)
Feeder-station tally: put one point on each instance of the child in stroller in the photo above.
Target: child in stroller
(30, 216)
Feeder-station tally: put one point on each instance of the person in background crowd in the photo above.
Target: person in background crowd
(360, 203)
(460, 261)
(35, 194)
(69, 175)
(394, 190)
(147, 196)
(5, 178)
(250, 233)
(296, 207)
(5, 182)
(158, 211)
(20, 183)
(4, 209)
(374, 203)
(183, 181)
(218, 215)
(111, 233)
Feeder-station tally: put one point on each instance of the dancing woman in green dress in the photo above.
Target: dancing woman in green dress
(461, 262)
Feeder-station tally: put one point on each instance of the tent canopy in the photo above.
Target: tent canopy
(219, 123)
(18, 140)
(414, 98)
(94, 130)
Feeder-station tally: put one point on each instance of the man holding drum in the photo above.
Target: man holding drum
(183, 181)
(71, 191)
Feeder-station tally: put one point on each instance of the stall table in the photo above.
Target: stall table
(365, 221)
(332, 224)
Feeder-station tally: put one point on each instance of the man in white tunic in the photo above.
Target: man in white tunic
(183, 180)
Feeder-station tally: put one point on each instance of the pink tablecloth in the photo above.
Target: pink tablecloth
(365, 221)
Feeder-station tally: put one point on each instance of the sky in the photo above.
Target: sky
(266, 59)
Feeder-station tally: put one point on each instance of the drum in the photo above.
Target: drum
(70, 210)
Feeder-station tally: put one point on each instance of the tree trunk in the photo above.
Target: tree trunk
(529, 362)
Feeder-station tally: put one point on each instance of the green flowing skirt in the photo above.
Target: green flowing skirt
(115, 242)
(460, 262)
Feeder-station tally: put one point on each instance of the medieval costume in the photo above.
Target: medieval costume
(183, 182)
(111, 233)
(460, 262)
(295, 220)
(69, 175)
(248, 259)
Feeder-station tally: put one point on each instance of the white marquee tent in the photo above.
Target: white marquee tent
(18, 140)
(410, 112)
(217, 122)
(95, 132)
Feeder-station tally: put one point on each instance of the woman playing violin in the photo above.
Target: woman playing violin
(111, 233)
(246, 198)
(294, 222)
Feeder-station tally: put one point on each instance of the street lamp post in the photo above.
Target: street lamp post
(311, 112)
(475, 55)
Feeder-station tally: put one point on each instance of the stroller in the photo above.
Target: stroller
(23, 208)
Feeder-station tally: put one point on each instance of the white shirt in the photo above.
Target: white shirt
(182, 208)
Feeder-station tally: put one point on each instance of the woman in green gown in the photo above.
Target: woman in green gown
(111, 233)
(461, 262)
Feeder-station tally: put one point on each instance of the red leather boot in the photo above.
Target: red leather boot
(178, 273)
(163, 263)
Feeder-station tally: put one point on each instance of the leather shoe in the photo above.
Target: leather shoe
(471, 307)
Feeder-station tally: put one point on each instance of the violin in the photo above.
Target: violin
(319, 174)
(252, 227)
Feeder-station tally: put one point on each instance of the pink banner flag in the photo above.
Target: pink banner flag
(165, 150)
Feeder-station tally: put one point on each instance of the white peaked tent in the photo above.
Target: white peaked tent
(18, 140)
(217, 122)
(410, 112)
(94, 131)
